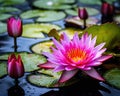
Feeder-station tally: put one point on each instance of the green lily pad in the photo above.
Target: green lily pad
(3, 27)
(48, 78)
(4, 16)
(3, 68)
(11, 2)
(108, 33)
(95, 1)
(43, 15)
(8, 9)
(113, 77)
(117, 19)
(70, 31)
(74, 12)
(30, 61)
(54, 4)
(42, 47)
(37, 30)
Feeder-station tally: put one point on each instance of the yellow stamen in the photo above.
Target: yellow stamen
(76, 54)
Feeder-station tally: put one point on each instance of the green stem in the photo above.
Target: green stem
(16, 81)
(15, 44)
(84, 23)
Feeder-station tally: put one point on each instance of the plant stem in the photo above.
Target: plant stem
(84, 23)
(16, 81)
(15, 44)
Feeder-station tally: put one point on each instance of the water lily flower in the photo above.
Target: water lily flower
(14, 27)
(15, 66)
(70, 56)
(82, 13)
(107, 9)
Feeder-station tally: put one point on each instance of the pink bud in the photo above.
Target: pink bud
(14, 27)
(107, 9)
(82, 13)
(15, 66)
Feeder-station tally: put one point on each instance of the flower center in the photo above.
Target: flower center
(76, 55)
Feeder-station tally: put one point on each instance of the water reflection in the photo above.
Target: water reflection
(16, 90)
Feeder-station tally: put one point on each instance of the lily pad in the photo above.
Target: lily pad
(8, 9)
(43, 15)
(76, 21)
(117, 19)
(113, 77)
(3, 27)
(37, 30)
(95, 1)
(108, 33)
(4, 16)
(3, 68)
(11, 2)
(48, 78)
(30, 61)
(42, 47)
(54, 4)
(70, 31)
(74, 12)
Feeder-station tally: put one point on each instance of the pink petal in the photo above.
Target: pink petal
(66, 75)
(47, 65)
(103, 58)
(59, 68)
(93, 73)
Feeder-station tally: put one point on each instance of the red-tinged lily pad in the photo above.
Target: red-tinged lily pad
(48, 78)
(77, 22)
(108, 33)
(43, 15)
(42, 47)
(37, 30)
(30, 60)
(3, 68)
(74, 12)
(71, 31)
(54, 4)
(113, 77)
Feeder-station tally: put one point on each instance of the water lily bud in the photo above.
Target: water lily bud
(107, 9)
(82, 13)
(15, 66)
(14, 27)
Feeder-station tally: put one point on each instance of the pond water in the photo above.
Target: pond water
(86, 86)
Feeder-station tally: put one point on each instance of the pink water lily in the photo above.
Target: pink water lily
(15, 66)
(70, 56)
(14, 27)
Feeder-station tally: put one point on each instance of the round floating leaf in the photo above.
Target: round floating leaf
(76, 21)
(74, 12)
(42, 47)
(43, 15)
(4, 16)
(53, 4)
(95, 1)
(117, 19)
(3, 68)
(90, 1)
(71, 31)
(30, 61)
(8, 9)
(113, 77)
(108, 33)
(11, 2)
(35, 30)
(3, 27)
(48, 78)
